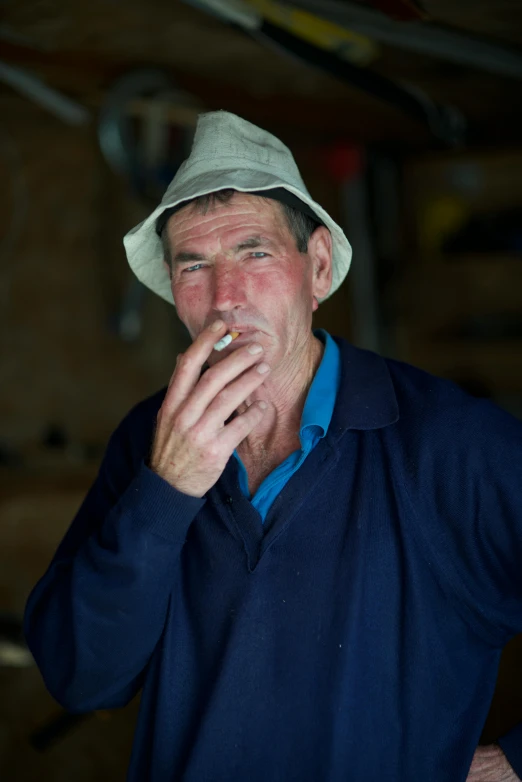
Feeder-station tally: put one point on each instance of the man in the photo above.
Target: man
(306, 556)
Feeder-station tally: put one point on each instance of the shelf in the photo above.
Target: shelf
(165, 112)
(486, 258)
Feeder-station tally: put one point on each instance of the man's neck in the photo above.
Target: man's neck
(278, 432)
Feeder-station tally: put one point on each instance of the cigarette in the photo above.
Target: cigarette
(227, 339)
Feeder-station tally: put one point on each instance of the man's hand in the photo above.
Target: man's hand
(491, 765)
(192, 445)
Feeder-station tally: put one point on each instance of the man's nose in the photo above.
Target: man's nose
(229, 289)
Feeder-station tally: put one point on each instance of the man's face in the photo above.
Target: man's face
(239, 262)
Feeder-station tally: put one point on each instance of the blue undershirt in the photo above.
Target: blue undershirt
(317, 414)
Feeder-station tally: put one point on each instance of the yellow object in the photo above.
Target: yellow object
(441, 217)
(327, 35)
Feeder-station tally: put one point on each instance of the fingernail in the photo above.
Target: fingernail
(218, 324)
(255, 347)
(262, 368)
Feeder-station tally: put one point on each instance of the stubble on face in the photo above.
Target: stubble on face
(274, 295)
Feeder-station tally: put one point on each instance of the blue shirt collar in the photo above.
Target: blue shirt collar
(320, 401)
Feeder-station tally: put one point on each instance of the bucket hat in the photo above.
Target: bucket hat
(227, 152)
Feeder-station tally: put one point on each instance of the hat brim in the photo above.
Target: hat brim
(145, 252)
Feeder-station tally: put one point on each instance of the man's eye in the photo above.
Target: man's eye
(193, 268)
(259, 255)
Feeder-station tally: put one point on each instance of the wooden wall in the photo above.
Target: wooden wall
(62, 280)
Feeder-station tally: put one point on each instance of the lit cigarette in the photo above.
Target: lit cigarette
(227, 339)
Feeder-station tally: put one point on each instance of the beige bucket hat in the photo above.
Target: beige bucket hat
(227, 152)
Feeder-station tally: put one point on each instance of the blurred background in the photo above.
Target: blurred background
(405, 118)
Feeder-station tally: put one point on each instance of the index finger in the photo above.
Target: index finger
(189, 364)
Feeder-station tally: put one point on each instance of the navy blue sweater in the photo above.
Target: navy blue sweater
(355, 636)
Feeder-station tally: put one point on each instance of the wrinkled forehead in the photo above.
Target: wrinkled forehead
(236, 201)
(278, 194)
(242, 213)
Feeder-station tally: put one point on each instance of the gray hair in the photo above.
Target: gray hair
(300, 224)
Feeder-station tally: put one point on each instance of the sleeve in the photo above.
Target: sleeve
(468, 495)
(466, 477)
(93, 620)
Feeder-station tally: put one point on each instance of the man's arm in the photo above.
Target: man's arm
(93, 620)
(464, 473)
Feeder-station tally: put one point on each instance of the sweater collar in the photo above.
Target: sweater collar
(366, 398)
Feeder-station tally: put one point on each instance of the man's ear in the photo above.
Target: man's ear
(320, 253)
